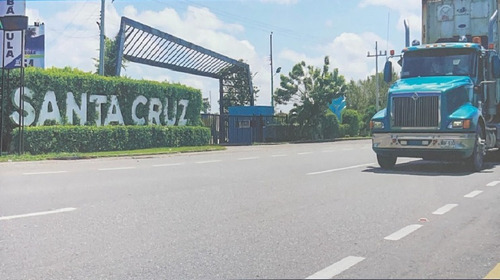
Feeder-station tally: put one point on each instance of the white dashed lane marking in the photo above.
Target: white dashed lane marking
(336, 268)
(274, 156)
(492, 184)
(402, 232)
(473, 194)
(248, 158)
(208, 161)
(57, 211)
(168, 164)
(445, 209)
(339, 169)
(117, 168)
(45, 173)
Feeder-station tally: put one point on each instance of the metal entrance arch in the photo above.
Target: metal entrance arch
(143, 44)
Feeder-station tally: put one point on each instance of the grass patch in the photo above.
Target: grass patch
(142, 152)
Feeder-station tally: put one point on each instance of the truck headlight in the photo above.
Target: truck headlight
(376, 125)
(459, 124)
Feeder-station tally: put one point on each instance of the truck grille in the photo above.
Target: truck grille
(420, 111)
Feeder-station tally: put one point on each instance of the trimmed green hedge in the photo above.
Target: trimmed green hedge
(57, 139)
(62, 81)
(126, 90)
(351, 121)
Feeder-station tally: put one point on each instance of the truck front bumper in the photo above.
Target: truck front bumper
(450, 146)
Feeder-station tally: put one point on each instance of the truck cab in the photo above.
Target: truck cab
(436, 110)
(445, 106)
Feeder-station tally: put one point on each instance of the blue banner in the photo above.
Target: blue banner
(337, 105)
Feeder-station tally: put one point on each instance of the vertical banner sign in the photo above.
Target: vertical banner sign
(34, 52)
(13, 23)
(12, 49)
(1, 45)
(12, 8)
(12, 43)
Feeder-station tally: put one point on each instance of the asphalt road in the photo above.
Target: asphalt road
(323, 210)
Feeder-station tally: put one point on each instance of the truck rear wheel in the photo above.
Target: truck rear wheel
(476, 160)
(386, 162)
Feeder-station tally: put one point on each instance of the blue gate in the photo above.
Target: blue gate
(247, 124)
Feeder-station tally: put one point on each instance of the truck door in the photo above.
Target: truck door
(480, 88)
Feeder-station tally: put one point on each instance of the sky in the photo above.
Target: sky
(302, 30)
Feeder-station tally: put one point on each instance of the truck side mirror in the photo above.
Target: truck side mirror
(388, 72)
(495, 65)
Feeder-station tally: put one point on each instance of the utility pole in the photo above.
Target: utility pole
(272, 70)
(376, 55)
(101, 39)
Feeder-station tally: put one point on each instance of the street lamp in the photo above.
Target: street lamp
(278, 70)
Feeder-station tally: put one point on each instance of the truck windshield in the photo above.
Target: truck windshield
(438, 62)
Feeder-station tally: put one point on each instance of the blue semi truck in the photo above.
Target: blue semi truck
(445, 106)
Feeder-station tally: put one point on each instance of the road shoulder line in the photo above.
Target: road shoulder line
(494, 273)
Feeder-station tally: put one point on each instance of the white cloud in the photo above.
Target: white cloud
(295, 57)
(73, 36)
(113, 19)
(34, 16)
(199, 26)
(203, 18)
(347, 52)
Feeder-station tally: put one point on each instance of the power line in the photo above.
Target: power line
(250, 22)
(71, 22)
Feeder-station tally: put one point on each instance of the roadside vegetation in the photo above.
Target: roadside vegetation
(311, 89)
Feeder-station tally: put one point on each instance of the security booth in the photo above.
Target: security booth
(247, 124)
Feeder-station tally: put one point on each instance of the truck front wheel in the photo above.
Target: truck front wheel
(475, 161)
(386, 162)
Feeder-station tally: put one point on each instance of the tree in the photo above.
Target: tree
(363, 93)
(205, 106)
(311, 89)
(361, 96)
(236, 89)
(110, 57)
(330, 126)
(351, 119)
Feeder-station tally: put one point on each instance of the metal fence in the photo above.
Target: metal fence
(212, 121)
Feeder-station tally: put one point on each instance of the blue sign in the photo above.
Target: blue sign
(337, 106)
